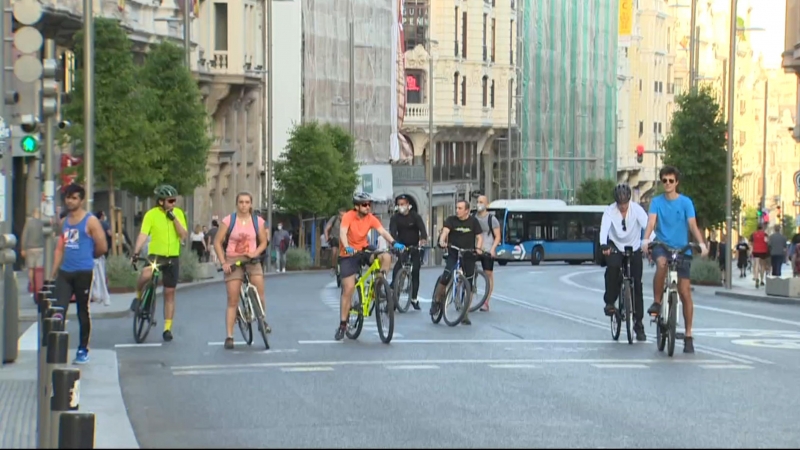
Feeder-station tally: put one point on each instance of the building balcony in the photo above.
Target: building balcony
(416, 114)
(627, 163)
(405, 175)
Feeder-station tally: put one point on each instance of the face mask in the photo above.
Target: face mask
(402, 209)
(481, 208)
(280, 227)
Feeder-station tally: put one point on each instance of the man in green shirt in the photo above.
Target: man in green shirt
(166, 226)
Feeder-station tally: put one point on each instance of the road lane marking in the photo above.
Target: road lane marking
(307, 369)
(29, 339)
(725, 366)
(242, 344)
(783, 344)
(480, 341)
(732, 356)
(567, 279)
(144, 344)
(621, 366)
(413, 367)
(513, 366)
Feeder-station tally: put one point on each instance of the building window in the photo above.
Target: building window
(491, 95)
(414, 83)
(464, 35)
(455, 37)
(485, 90)
(415, 23)
(641, 128)
(221, 27)
(455, 88)
(485, 31)
(455, 161)
(494, 36)
(640, 85)
(463, 91)
(511, 43)
(659, 128)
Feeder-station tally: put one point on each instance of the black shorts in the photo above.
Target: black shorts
(170, 269)
(350, 265)
(487, 262)
(334, 243)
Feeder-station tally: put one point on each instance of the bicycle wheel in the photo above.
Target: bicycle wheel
(384, 307)
(480, 290)
(616, 325)
(627, 302)
(261, 316)
(355, 321)
(243, 319)
(402, 291)
(457, 298)
(142, 318)
(672, 322)
(436, 318)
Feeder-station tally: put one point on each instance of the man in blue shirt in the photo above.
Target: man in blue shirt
(672, 216)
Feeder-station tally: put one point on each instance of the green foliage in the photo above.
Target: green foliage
(705, 272)
(126, 144)
(317, 171)
(176, 109)
(189, 265)
(120, 273)
(788, 229)
(596, 191)
(298, 259)
(750, 222)
(696, 145)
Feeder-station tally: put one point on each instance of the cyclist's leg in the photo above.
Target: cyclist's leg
(348, 267)
(386, 262)
(487, 264)
(257, 280)
(450, 264)
(468, 264)
(170, 274)
(233, 282)
(659, 255)
(416, 262)
(685, 292)
(144, 278)
(637, 268)
(612, 281)
(397, 266)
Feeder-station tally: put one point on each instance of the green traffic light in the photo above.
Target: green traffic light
(29, 144)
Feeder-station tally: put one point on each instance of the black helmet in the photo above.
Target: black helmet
(622, 193)
(361, 197)
(165, 191)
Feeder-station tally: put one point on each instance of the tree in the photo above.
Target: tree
(696, 146)
(305, 180)
(750, 222)
(126, 145)
(177, 111)
(345, 177)
(788, 227)
(596, 191)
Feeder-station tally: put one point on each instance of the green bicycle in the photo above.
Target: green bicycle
(144, 311)
(372, 291)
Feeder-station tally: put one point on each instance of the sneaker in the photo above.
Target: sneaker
(654, 309)
(466, 321)
(415, 304)
(81, 357)
(609, 309)
(434, 308)
(229, 343)
(688, 345)
(638, 328)
(134, 303)
(340, 332)
(167, 335)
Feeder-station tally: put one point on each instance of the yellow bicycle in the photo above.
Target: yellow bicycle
(372, 293)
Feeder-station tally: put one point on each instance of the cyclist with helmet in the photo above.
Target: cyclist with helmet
(353, 234)
(623, 225)
(165, 224)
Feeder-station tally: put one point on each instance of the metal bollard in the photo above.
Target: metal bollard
(50, 325)
(9, 301)
(66, 397)
(76, 430)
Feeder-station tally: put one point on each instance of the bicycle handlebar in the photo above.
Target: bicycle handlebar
(680, 251)
(463, 250)
(240, 263)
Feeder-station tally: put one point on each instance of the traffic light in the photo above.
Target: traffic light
(51, 85)
(25, 138)
(640, 153)
(28, 40)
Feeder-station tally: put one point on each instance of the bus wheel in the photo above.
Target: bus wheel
(537, 256)
(502, 263)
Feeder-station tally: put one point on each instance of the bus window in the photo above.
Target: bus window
(536, 226)
(573, 229)
(558, 227)
(515, 228)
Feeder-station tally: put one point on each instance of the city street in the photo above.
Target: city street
(539, 370)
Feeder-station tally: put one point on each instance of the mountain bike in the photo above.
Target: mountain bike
(144, 310)
(626, 307)
(458, 293)
(402, 283)
(250, 308)
(480, 289)
(373, 293)
(667, 320)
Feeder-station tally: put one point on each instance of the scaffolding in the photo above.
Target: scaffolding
(327, 71)
(567, 95)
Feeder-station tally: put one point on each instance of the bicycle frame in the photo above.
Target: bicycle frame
(367, 292)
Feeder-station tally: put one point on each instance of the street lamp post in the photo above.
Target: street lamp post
(729, 162)
(431, 142)
(268, 43)
(88, 101)
(764, 150)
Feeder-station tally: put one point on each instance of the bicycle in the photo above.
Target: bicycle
(626, 307)
(144, 311)
(372, 290)
(667, 320)
(403, 283)
(479, 275)
(250, 307)
(456, 293)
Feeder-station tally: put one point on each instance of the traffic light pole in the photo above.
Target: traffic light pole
(49, 177)
(8, 168)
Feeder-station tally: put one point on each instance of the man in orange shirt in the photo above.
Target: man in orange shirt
(356, 225)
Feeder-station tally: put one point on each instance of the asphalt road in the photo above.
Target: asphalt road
(539, 370)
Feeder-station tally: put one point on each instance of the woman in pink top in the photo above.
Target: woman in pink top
(242, 246)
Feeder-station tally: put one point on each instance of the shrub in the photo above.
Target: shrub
(120, 273)
(189, 265)
(297, 259)
(705, 272)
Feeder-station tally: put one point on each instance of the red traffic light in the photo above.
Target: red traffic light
(640, 150)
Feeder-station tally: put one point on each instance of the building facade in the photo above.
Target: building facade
(474, 69)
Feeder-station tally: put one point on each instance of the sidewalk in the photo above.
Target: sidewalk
(745, 289)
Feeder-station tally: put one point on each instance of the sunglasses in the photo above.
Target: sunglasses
(171, 200)
(668, 180)
(366, 205)
(624, 228)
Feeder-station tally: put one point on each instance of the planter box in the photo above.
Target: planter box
(783, 287)
(706, 283)
(206, 271)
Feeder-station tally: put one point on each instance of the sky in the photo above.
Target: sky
(770, 15)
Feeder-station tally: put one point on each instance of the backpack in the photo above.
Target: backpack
(284, 243)
(233, 224)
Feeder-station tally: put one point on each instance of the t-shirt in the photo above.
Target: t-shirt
(334, 222)
(164, 238)
(462, 232)
(742, 249)
(196, 237)
(357, 230)
(243, 239)
(759, 240)
(487, 230)
(672, 227)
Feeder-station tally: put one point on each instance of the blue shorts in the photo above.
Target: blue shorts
(684, 266)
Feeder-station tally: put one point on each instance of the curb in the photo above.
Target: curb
(759, 298)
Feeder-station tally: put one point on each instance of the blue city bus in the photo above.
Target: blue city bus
(547, 230)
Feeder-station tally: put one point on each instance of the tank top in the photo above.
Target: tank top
(78, 247)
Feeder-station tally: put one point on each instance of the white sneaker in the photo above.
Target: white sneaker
(283, 270)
